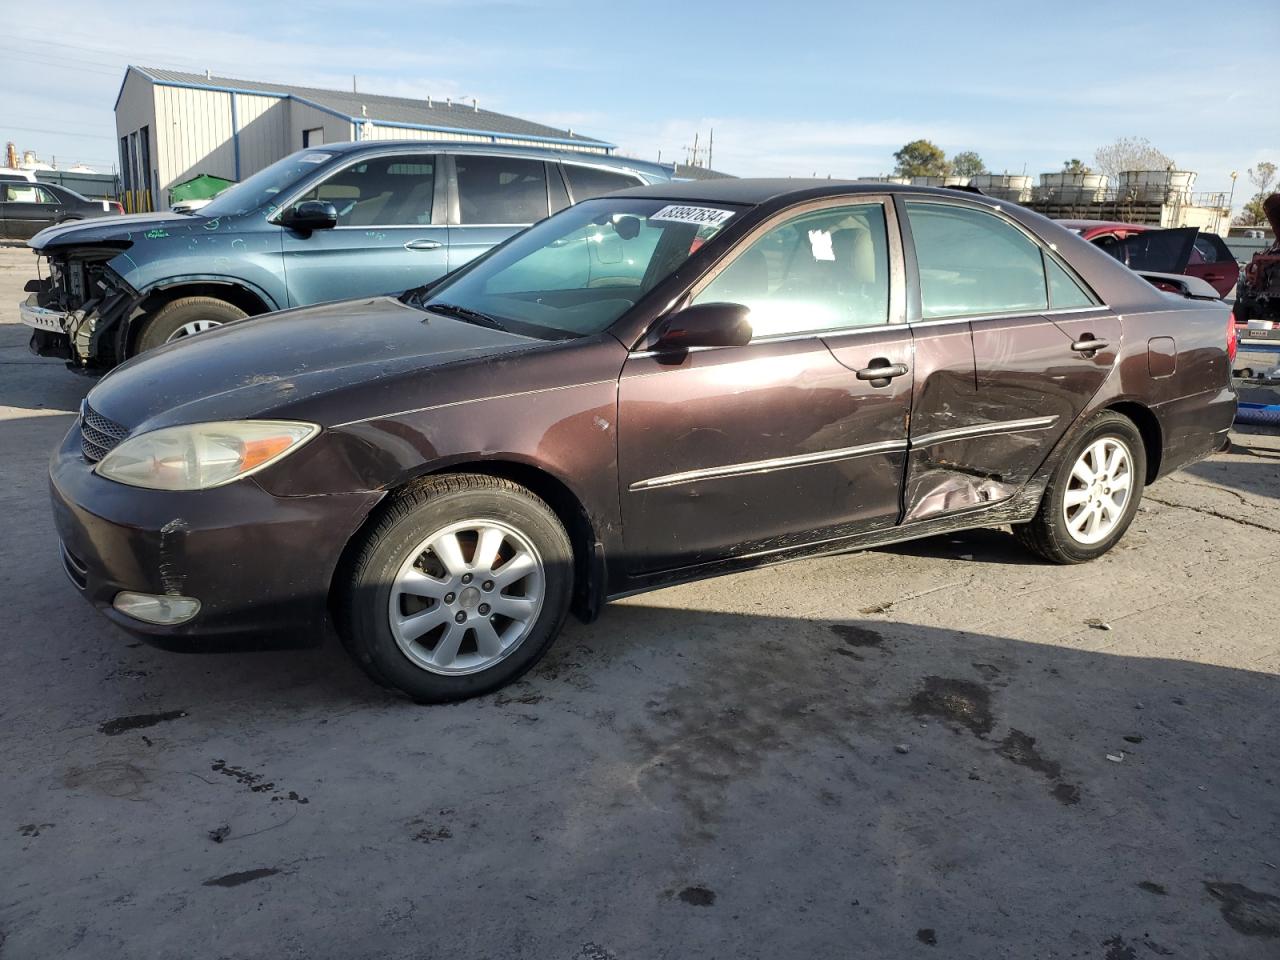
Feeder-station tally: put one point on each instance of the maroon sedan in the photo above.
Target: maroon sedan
(656, 386)
(1181, 250)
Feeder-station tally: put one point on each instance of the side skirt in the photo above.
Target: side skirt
(1019, 508)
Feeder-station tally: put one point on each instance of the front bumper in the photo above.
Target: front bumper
(260, 565)
(42, 318)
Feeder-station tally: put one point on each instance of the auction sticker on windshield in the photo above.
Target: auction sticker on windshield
(703, 216)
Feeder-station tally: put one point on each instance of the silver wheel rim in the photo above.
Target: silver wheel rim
(1098, 490)
(466, 597)
(192, 328)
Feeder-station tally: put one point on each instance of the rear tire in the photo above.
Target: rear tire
(1093, 495)
(182, 317)
(459, 587)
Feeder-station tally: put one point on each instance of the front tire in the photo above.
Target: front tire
(460, 587)
(1093, 495)
(185, 317)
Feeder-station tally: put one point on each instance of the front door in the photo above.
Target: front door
(1010, 348)
(28, 209)
(391, 233)
(753, 449)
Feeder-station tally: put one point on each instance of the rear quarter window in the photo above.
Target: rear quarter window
(589, 182)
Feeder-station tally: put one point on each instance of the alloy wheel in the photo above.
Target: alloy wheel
(191, 329)
(1098, 491)
(466, 597)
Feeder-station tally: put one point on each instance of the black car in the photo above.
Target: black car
(26, 208)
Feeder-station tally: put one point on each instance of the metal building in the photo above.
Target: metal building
(173, 126)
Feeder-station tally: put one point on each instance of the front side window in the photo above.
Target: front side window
(972, 263)
(588, 182)
(827, 270)
(381, 192)
(577, 272)
(501, 190)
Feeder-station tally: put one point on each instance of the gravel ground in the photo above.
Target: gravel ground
(940, 749)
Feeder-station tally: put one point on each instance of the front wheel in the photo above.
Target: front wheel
(185, 317)
(1093, 495)
(459, 588)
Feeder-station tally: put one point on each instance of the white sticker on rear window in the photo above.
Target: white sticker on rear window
(703, 216)
(315, 157)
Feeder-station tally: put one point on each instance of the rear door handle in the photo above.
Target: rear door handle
(881, 371)
(1087, 344)
(423, 245)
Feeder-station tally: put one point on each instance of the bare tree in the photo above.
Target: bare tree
(1129, 153)
(1262, 176)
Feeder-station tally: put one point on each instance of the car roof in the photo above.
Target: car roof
(1109, 224)
(471, 146)
(756, 191)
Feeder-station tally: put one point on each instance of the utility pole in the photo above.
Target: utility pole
(711, 146)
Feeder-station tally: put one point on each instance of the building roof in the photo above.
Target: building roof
(685, 171)
(761, 190)
(383, 110)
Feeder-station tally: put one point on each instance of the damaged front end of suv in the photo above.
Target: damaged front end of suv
(79, 305)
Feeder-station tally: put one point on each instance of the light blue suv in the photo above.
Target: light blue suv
(338, 221)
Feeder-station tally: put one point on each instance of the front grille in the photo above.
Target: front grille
(98, 435)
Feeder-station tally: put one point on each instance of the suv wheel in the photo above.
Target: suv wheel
(460, 587)
(1093, 495)
(185, 317)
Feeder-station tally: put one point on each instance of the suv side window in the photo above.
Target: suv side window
(826, 270)
(973, 262)
(381, 191)
(588, 182)
(501, 190)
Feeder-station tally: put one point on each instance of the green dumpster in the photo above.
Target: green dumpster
(200, 187)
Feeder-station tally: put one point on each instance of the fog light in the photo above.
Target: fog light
(156, 609)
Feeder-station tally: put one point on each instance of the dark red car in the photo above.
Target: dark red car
(1183, 250)
(660, 385)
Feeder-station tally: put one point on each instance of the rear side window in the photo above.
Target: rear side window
(588, 182)
(972, 262)
(27, 192)
(1064, 292)
(501, 190)
(1212, 249)
(381, 192)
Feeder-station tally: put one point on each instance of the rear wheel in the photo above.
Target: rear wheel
(1093, 495)
(459, 588)
(185, 317)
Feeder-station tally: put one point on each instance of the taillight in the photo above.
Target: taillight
(1232, 340)
(117, 206)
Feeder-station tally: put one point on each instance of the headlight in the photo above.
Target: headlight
(202, 455)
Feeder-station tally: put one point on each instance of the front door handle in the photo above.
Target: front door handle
(423, 245)
(880, 372)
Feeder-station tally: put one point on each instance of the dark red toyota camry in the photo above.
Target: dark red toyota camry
(664, 384)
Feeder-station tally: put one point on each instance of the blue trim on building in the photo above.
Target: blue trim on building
(235, 135)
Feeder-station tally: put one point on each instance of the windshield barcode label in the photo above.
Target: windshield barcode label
(703, 216)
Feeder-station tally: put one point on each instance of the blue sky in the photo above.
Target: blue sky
(790, 89)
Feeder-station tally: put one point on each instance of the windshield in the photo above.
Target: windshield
(264, 185)
(577, 272)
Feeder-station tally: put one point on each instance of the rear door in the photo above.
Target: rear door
(735, 450)
(1010, 347)
(494, 196)
(391, 233)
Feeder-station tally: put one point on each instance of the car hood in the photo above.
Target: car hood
(110, 229)
(259, 365)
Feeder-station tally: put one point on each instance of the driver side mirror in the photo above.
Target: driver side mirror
(705, 325)
(311, 215)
